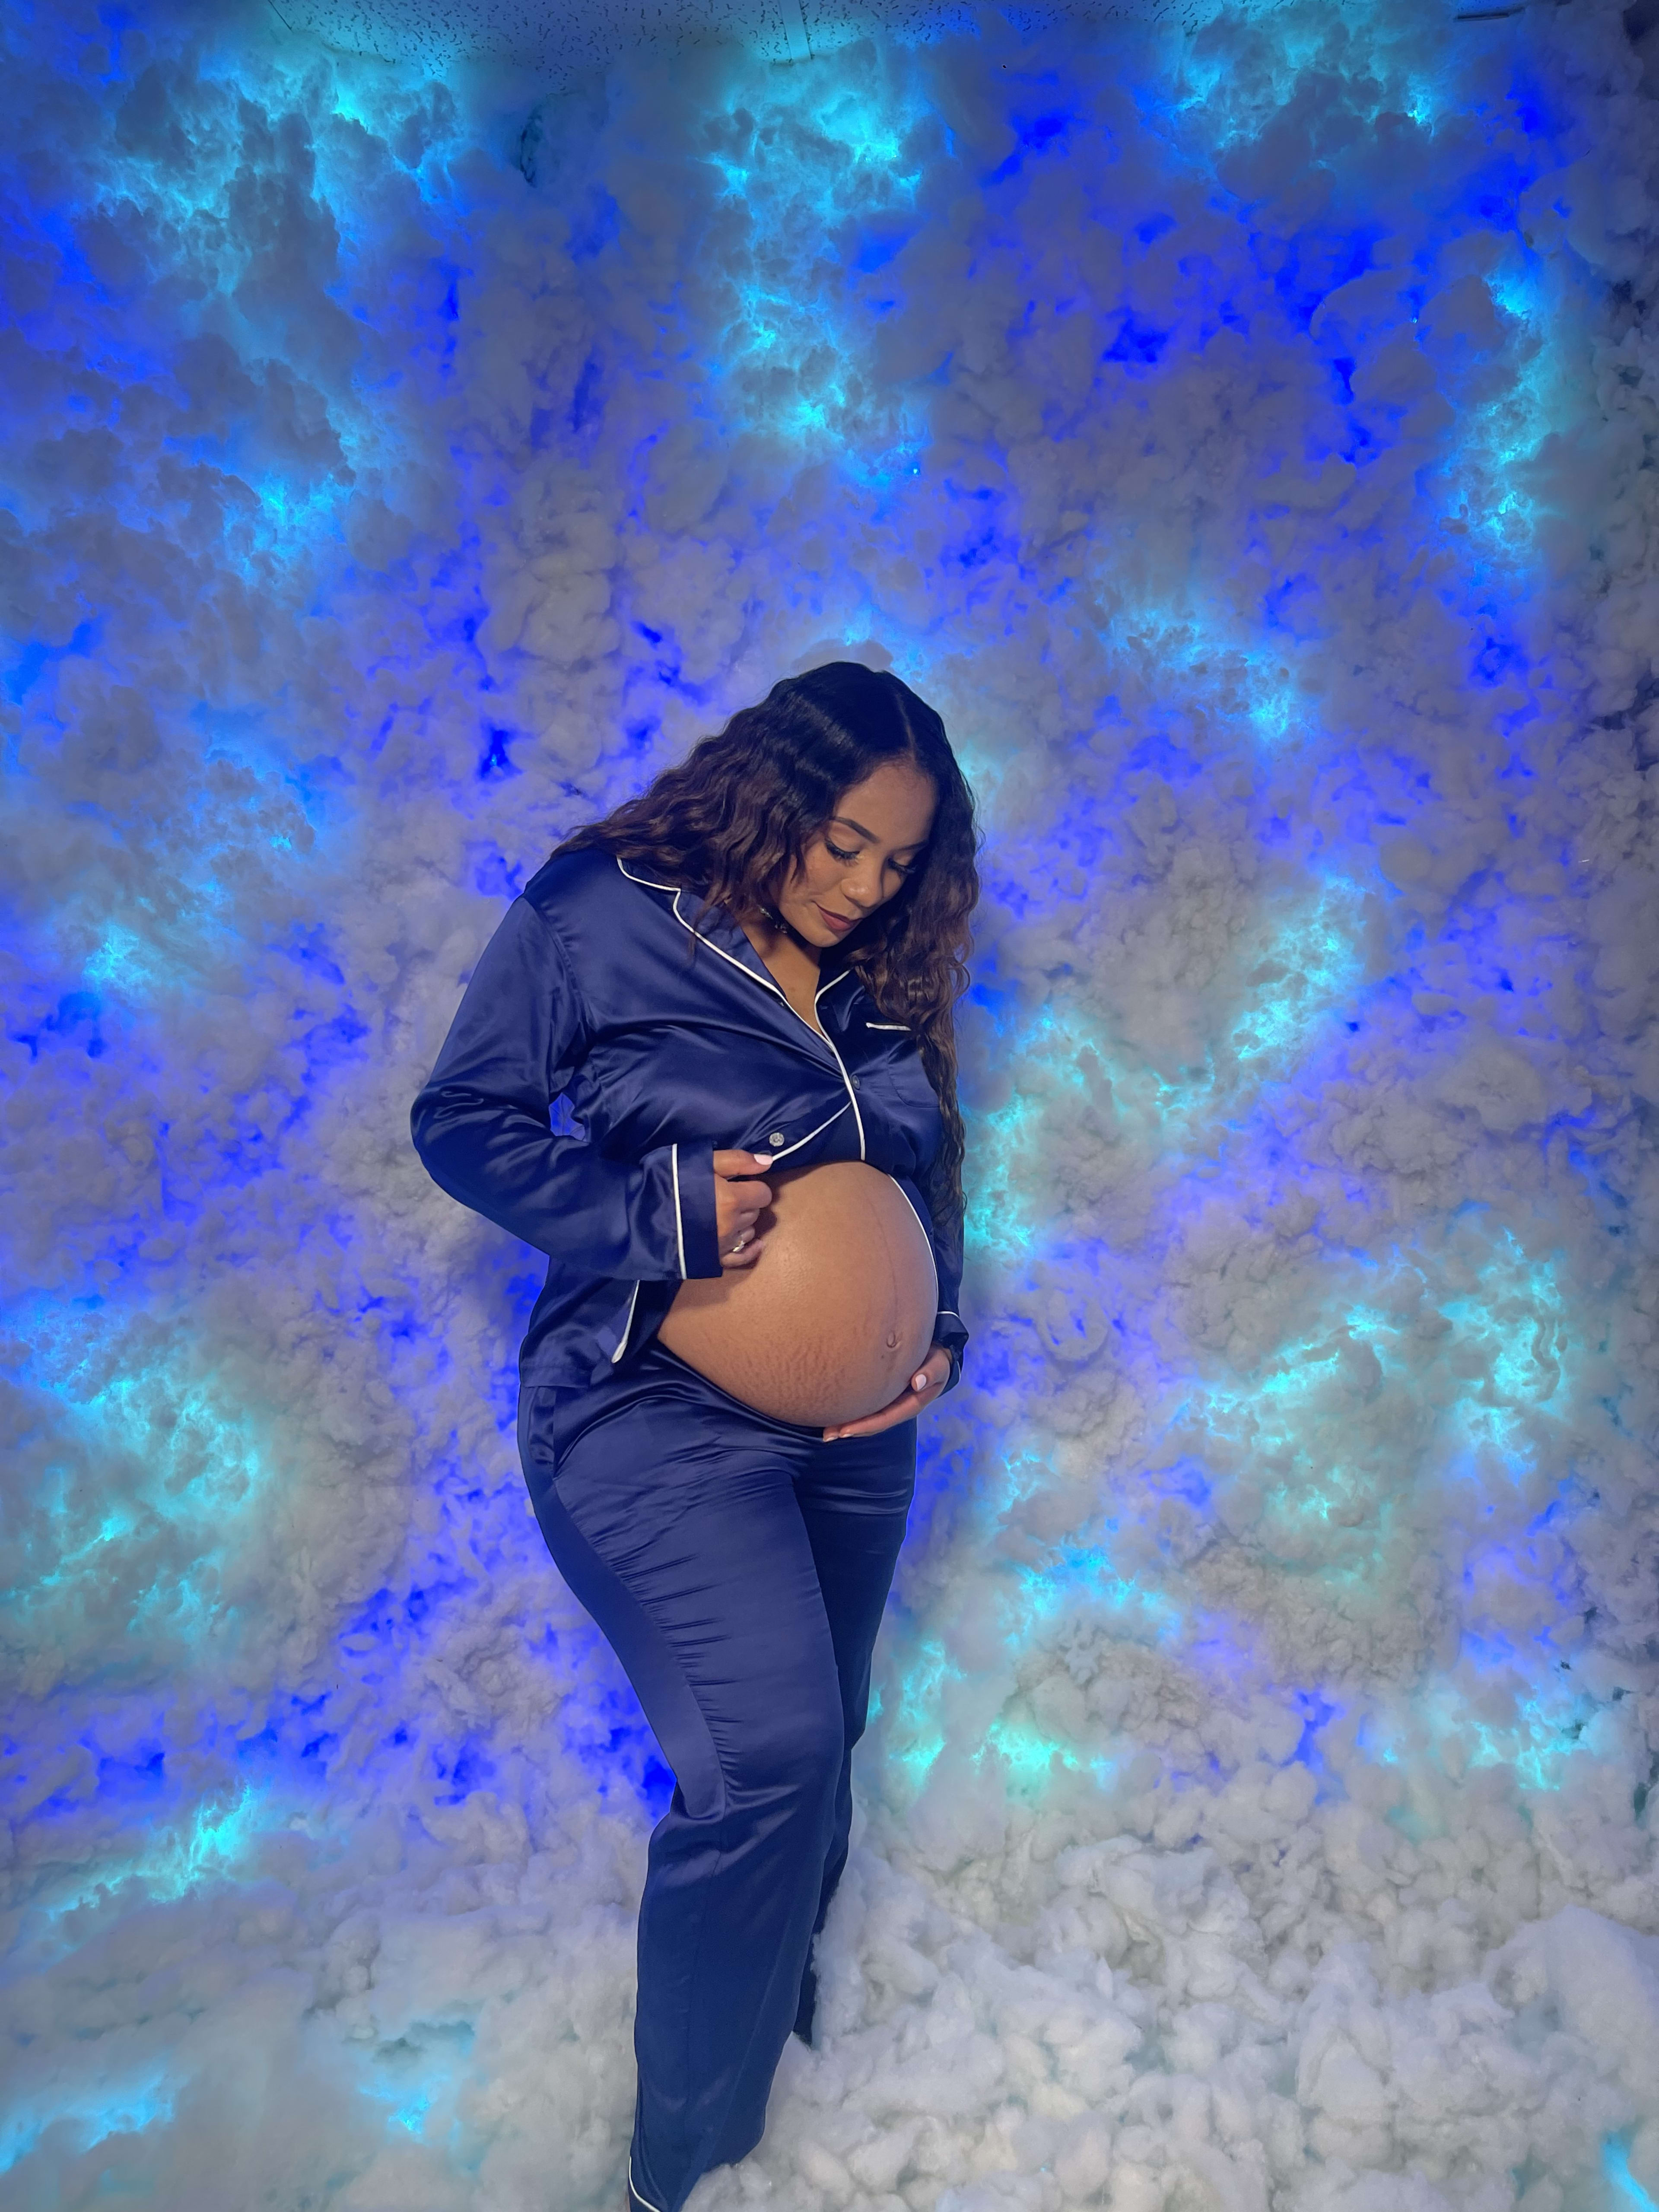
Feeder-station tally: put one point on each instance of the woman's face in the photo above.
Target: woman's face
(860, 857)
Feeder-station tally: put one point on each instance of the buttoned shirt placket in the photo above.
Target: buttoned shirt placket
(770, 983)
(766, 983)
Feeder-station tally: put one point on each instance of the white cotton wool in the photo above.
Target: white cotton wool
(1603, 1981)
(1236, 428)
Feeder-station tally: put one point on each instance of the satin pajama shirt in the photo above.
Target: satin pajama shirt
(738, 1565)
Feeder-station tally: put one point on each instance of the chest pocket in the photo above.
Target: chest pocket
(897, 1085)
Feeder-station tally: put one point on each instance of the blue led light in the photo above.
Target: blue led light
(1208, 418)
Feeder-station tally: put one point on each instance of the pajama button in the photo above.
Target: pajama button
(776, 1137)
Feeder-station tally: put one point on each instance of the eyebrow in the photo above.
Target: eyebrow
(869, 836)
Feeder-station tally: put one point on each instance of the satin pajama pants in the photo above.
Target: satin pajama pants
(738, 1566)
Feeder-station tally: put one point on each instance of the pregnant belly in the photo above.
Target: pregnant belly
(835, 1316)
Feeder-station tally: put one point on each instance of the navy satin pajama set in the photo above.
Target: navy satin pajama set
(738, 1565)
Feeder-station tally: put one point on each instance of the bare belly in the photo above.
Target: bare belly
(834, 1317)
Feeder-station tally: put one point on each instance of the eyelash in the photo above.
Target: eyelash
(837, 853)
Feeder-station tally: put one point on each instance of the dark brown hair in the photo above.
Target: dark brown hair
(733, 820)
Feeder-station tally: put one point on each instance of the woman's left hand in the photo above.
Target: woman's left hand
(929, 1379)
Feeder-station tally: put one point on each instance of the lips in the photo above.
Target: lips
(837, 921)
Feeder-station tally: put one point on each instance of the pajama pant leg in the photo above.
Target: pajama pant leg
(854, 1510)
(739, 1567)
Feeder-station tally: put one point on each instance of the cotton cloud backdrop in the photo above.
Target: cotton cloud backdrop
(567, 40)
(1242, 433)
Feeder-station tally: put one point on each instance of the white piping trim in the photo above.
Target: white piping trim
(852, 1097)
(830, 985)
(777, 992)
(645, 880)
(905, 1026)
(927, 1234)
(628, 1330)
(808, 1138)
(645, 2201)
(738, 964)
(679, 1226)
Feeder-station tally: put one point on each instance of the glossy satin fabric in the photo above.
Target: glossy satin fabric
(738, 1566)
(668, 1047)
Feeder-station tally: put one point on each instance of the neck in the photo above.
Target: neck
(769, 925)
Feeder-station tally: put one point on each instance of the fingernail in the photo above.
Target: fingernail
(765, 1159)
(918, 1382)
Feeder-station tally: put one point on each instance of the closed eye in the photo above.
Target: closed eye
(904, 868)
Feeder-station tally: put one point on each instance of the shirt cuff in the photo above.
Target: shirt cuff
(951, 1336)
(691, 1171)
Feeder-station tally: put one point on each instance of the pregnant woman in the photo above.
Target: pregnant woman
(743, 983)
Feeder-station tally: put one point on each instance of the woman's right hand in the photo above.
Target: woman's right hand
(739, 1202)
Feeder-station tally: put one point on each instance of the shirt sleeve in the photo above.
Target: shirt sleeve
(480, 1126)
(948, 1329)
(947, 1237)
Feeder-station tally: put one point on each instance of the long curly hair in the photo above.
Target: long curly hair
(733, 821)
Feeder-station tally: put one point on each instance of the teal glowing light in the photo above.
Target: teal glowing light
(1228, 97)
(202, 1454)
(1512, 1322)
(1539, 1744)
(1084, 1575)
(1494, 503)
(1615, 2164)
(1491, 496)
(1196, 537)
(1292, 972)
(1452, 1356)
(916, 1729)
(1520, 1708)
(1310, 963)
(411, 2117)
(915, 1737)
(292, 512)
(209, 1848)
(811, 162)
(1326, 1500)
(123, 964)
(158, 1468)
(152, 947)
(90, 2115)
(1190, 647)
(418, 2076)
(137, 964)
(1028, 1758)
(1058, 1067)
(1027, 1752)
